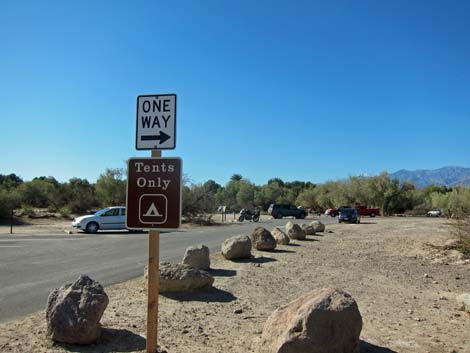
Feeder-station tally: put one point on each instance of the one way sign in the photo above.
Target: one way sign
(156, 122)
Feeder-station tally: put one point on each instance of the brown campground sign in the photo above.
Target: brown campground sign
(154, 193)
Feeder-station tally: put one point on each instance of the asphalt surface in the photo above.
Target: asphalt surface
(32, 266)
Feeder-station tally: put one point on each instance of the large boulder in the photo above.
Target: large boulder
(294, 231)
(308, 229)
(318, 226)
(262, 239)
(74, 311)
(197, 257)
(183, 278)
(322, 321)
(237, 247)
(280, 237)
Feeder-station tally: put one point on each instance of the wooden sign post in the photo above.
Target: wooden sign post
(153, 284)
(154, 190)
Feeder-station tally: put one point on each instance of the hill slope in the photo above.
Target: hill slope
(447, 176)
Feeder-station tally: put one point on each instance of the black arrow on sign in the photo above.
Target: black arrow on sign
(161, 138)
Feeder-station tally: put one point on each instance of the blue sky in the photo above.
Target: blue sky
(301, 90)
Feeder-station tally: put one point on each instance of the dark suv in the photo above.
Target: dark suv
(279, 210)
(349, 215)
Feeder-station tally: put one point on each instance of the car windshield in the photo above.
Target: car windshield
(347, 211)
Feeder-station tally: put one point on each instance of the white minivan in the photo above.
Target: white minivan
(109, 218)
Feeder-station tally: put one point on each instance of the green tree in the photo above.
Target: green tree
(10, 181)
(80, 195)
(9, 200)
(236, 177)
(42, 192)
(245, 195)
(197, 200)
(111, 188)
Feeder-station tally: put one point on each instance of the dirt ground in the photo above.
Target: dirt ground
(404, 285)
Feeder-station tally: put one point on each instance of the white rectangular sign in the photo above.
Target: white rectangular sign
(156, 122)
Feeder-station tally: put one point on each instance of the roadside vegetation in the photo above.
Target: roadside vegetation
(78, 196)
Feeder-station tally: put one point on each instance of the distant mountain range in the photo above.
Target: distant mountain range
(446, 176)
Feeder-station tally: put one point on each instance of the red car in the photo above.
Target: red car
(366, 211)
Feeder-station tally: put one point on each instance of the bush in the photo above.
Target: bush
(9, 200)
(462, 232)
(111, 188)
(64, 212)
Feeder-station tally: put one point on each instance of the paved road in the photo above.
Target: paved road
(31, 266)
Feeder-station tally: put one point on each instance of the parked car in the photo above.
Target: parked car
(333, 212)
(434, 213)
(109, 218)
(368, 211)
(278, 210)
(349, 215)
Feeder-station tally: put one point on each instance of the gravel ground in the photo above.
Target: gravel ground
(404, 284)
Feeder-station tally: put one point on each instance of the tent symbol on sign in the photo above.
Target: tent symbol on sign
(152, 211)
(153, 208)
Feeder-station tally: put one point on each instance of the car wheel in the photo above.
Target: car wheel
(302, 216)
(256, 219)
(279, 216)
(372, 214)
(92, 227)
(240, 219)
(333, 215)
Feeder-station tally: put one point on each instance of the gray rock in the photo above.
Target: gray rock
(280, 237)
(308, 229)
(197, 257)
(237, 247)
(322, 321)
(294, 231)
(182, 278)
(262, 239)
(318, 226)
(74, 311)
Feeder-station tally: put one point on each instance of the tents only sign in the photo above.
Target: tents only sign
(154, 193)
(156, 122)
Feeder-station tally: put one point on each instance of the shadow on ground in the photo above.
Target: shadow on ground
(368, 222)
(366, 347)
(205, 295)
(220, 272)
(111, 340)
(255, 260)
(280, 251)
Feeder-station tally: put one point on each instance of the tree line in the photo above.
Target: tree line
(80, 196)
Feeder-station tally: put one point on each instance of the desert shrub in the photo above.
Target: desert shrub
(111, 188)
(455, 204)
(80, 195)
(419, 210)
(9, 200)
(42, 192)
(64, 212)
(461, 229)
(197, 201)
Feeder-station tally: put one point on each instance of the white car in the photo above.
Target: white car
(110, 218)
(434, 213)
